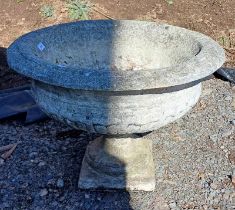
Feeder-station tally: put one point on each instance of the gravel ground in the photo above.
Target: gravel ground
(194, 159)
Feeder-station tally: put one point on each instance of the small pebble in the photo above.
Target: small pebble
(51, 182)
(1, 161)
(64, 148)
(42, 163)
(173, 205)
(60, 183)
(214, 138)
(43, 192)
(33, 154)
(231, 157)
(87, 196)
(214, 186)
(232, 122)
(61, 198)
(228, 98)
(210, 120)
(25, 185)
(54, 203)
(233, 177)
(34, 160)
(226, 196)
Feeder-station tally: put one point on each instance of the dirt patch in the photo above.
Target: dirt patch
(208, 17)
(202, 15)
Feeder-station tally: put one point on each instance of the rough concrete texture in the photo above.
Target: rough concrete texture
(115, 55)
(115, 77)
(117, 163)
(114, 113)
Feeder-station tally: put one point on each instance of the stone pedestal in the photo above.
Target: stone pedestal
(123, 162)
(116, 77)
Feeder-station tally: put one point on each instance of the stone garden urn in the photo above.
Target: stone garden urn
(117, 79)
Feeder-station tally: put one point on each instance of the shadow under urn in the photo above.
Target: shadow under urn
(118, 79)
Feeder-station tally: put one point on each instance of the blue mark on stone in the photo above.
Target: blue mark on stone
(88, 74)
(41, 46)
(61, 65)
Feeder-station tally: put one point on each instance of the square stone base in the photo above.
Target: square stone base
(118, 163)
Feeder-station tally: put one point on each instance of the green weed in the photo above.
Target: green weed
(47, 11)
(78, 9)
(224, 41)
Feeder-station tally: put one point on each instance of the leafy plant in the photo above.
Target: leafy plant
(47, 10)
(170, 1)
(224, 41)
(78, 9)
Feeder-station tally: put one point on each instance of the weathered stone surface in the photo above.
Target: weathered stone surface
(115, 55)
(115, 113)
(116, 77)
(117, 163)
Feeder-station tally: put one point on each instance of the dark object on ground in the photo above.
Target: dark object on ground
(8, 153)
(35, 114)
(19, 102)
(6, 92)
(226, 74)
(8, 78)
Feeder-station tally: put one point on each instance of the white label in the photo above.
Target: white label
(41, 46)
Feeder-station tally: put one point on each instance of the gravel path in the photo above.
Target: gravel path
(194, 159)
